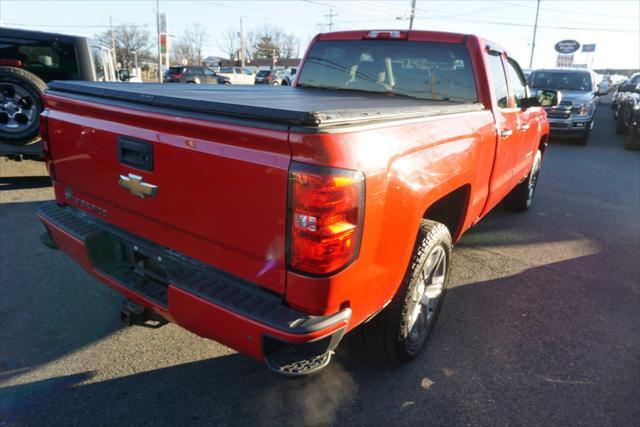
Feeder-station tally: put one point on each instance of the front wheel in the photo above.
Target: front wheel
(521, 197)
(632, 138)
(400, 331)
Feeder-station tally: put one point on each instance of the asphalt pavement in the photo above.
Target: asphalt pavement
(541, 325)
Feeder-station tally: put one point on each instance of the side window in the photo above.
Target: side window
(498, 80)
(98, 64)
(208, 72)
(518, 84)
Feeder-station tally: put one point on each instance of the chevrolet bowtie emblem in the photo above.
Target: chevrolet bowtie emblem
(138, 188)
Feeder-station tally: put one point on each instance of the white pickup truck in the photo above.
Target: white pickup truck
(238, 75)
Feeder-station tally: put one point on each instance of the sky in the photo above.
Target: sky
(614, 26)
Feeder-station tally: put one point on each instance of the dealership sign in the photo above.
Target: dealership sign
(567, 46)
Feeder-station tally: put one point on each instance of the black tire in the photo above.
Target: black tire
(521, 197)
(13, 80)
(389, 334)
(632, 139)
(584, 139)
(621, 126)
(275, 84)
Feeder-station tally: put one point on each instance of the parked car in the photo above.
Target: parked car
(289, 76)
(194, 75)
(573, 117)
(277, 221)
(632, 136)
(238, 75)
(614, 99)
(31, 59)
(270, 77)
(627, 99)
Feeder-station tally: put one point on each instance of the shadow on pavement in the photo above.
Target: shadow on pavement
(530, 348)
(24, 182)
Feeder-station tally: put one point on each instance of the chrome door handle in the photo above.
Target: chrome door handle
(506, 133)
(524, 127)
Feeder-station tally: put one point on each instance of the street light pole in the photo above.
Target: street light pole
(241, 43)
(413, 13)
(159, 47)
(535, 30)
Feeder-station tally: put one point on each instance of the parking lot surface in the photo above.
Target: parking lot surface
(541, 325)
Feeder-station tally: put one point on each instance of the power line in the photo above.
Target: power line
(330, 16)
(513, 24)
(578, 12)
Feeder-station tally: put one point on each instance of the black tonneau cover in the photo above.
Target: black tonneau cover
(293, 106)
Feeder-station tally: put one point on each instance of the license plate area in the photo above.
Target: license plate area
(133, 265)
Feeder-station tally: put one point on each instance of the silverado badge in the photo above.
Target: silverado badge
(137, 187)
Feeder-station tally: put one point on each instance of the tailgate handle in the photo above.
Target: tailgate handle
(135, 153)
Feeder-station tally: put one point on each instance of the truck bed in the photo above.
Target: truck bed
(286, 105)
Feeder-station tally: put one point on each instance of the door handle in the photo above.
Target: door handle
(506, 133)
(524, 127)
(135, 153)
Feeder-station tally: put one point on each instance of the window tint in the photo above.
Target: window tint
(498, 80)
(518, 84)
(262, 73)
(227, 70)
(209, 72)
(46, 60)
(98, 64)
(424, 70)
(559, 80)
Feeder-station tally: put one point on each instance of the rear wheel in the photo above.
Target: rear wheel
(521, 197)
(400, 331)
(275, 84)
(20, 105)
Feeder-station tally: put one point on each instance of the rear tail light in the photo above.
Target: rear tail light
(394, 34)
(326, 208)
(46, 146)
(268, 77)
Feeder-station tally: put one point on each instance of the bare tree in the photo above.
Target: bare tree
(230, 43)
(190, 47)
(128, 39)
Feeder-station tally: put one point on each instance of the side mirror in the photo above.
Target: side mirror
(638, 88)
(123, 75)
(542, 98)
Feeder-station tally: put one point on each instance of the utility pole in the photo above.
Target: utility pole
(113, 36)
(159, 47)
(330, 16)
(535, 30)
(241, 43)
(413, 14)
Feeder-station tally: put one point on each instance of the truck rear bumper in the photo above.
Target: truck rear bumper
(201, 299)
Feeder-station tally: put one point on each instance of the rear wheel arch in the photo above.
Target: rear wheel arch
(450, 210)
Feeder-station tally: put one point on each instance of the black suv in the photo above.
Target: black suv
(195, 75)
(29, 60)
(627, 112)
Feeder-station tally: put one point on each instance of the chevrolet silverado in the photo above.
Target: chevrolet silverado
(275, 220)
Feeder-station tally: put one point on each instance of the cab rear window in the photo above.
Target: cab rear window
(424, 70)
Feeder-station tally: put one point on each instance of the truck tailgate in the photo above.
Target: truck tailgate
(213, 191)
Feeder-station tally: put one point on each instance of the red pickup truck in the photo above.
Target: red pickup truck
(275, 220)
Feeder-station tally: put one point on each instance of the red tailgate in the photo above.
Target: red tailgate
(221, 188)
